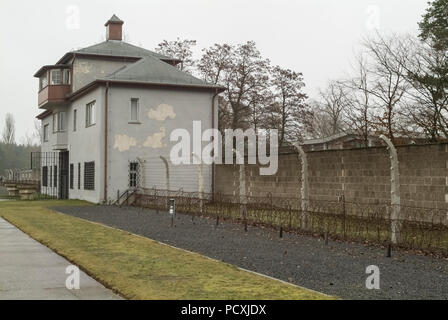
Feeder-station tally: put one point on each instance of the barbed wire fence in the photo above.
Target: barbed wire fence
(408, 227)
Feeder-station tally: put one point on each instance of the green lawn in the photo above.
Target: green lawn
(140, 268)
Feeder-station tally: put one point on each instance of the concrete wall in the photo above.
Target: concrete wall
(86, 70)
(362, 175)
(84, 144)
(160, 112)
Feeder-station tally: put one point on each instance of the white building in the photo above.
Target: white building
(108, 111)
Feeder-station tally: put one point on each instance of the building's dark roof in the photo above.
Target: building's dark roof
(44, 114)
(114, 19)
(45, 68)
(150, 70)
(115, 48)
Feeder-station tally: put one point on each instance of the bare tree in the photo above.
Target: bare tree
(320, 123)
(244, 73)
(27, 141)
(37, 131)
(288, 109)
(388, 79)
(358, 112)
(179, 49)
(333, 101)
(215, 61)
(9, 131)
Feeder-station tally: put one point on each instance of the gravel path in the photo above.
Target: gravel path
(336, 269)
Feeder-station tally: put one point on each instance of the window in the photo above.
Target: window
(45, 176)
(55, 176)
(72, 169)
(134, 110)
(133, 174)
(90, 114)
(75, 114)
(79, 176)
(43, 81)
(89, 175)
(55, 122)
(46, 132)
(58, 121)
(61, 121)
(50, 178)
(66, 76)
(55, 77)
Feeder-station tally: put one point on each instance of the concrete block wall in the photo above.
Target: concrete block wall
(361, 175)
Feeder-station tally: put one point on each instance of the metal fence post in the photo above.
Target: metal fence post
(201, 182)
(305, 186)
(395, 190)
(167, 176)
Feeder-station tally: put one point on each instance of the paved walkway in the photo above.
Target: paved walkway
(29, 270)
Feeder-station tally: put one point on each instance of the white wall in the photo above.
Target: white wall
(86, 144)
(127, 141)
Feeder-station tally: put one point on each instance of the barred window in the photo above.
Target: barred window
(72, 172)
(79, 176)
(133, 174)
(89, 175)
(50, 178)
(45, 176)
(75, 114)
(55, 176)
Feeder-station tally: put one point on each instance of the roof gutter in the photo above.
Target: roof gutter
(106, 127)
(213, 127)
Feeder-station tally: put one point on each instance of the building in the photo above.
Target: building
(340, 141)
(107, 114)
(345, 140)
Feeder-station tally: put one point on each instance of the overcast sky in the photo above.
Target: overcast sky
(316, 37)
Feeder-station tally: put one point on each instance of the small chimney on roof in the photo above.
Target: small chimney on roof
(114, 29)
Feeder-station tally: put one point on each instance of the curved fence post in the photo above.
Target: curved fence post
(201, 182)
(242, 189)
(305, 186)
(167, 177)
(395, 190)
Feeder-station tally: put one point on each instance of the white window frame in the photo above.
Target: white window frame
(62, 121)
(59, 121)
(55, 122)
(66, 78)
(137, 112)
(56, 81)
(46, 132)
(43, 81)
(90, 114)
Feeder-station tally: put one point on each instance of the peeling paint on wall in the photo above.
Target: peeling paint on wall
(155, 141)
(163, 112)
(84, 67)
(124, 142)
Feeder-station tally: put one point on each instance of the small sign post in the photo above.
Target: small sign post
(172, 208)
